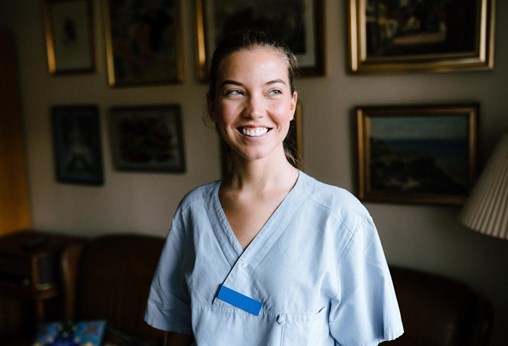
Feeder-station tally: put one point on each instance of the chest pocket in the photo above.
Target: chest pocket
(305, 330)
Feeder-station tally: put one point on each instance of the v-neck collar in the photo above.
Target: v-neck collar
(268, 234)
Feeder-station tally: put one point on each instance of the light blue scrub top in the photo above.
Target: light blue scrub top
(317, 267)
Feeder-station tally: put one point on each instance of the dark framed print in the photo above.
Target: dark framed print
(147, 138)
(299, 23)
(293, 140)
(77, 144)
(416, 154)
(143, 42)
(69, 36)
(432, 36)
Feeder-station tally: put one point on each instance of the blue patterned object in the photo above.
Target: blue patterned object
(69, 333)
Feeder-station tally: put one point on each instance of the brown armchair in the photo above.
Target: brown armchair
(440, 311)
(109, 278)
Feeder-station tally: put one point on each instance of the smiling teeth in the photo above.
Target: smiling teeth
(255, 132)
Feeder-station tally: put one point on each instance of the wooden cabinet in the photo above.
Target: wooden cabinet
(14, 195)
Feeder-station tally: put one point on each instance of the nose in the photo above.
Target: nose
(254, 107)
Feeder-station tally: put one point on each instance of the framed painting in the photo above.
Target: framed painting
(416, 154)
(69, 36)
(147, 138)
(293, 140)
(298, 23)
(143, 42)
(409, 36)
(77, 144)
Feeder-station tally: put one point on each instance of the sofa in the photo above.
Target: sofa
(108, 278)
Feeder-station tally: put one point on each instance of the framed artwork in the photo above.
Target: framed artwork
(77, 144)
(69, 36)
(147, 138)
(299, 23)
(433, 36)
(143, 42)
(416, 154)
(293, 140)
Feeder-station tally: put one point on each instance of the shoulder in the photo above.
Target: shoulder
(334, 199)
(193, 208)
(198, 195)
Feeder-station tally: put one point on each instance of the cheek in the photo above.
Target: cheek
(283, 112)
(227, 112)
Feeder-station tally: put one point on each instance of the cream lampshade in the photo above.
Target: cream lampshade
(486, 210)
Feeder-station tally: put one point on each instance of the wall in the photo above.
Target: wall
(425, 237)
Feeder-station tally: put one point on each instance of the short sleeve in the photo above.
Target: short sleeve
(168, 306)
(365, 311)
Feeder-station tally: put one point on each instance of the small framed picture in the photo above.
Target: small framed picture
(147, 138)
(416, 154)
(143, 42)
(69, 36)
(298, 23)
(412, 36)
(77, 144)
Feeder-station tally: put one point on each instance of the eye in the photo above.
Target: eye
(233, 92)
(275, 92)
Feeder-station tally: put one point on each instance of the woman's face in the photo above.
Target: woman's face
(253, 105)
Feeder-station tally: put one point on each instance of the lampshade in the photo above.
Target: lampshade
(486, 209)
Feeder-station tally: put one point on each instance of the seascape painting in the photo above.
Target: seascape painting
(419, 154)
(416, 154)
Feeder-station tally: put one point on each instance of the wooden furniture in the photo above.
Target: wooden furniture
(14, 197)
(30, 277)
(109, 279)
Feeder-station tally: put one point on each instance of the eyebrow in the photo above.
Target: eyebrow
(230, 81)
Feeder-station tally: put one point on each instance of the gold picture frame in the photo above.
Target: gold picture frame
(442, 37)
(299, 23)
(69, 36)
(143, 42)
(147, 138)
(422, 154)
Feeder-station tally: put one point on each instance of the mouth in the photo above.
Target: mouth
(254, 132)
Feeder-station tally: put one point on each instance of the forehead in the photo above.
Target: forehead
(254, 59)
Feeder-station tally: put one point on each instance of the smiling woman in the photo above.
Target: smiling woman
(229, 259)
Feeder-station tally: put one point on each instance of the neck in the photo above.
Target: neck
(261, 175)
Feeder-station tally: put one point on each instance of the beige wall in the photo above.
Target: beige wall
(426, 237)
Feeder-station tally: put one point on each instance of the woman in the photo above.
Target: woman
(268, 255)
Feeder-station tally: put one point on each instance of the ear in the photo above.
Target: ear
(294, 102)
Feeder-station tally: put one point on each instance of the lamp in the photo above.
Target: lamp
(486, 209)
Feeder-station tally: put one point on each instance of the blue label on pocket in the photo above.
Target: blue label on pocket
(239, 300)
